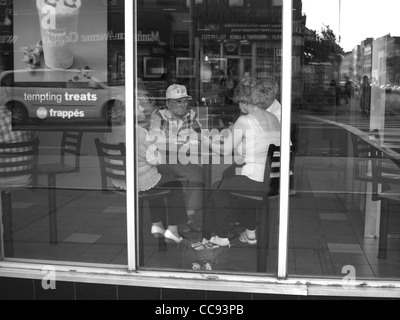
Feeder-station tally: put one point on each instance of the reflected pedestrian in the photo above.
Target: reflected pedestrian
(365, 96)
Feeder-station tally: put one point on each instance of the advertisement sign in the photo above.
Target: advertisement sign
(61, 63)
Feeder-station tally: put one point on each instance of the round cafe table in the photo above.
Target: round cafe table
(194, 152)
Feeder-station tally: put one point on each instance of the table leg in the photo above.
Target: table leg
(51, 183)
(6, 207)
(207, 181)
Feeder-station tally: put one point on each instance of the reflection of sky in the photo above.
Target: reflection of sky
(359, 19)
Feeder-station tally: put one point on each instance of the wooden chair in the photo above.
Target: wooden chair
(272, 177)
(71, 143)
(70, 154)
(16, 160)
(363, 152)
(112, 159)
(386, 186)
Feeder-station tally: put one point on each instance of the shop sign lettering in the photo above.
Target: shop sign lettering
(8, 39)
(152, 37)
(49, 18)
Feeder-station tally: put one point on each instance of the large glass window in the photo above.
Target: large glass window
(62, 83)
(345, 100)
(206, 152)
(210, 70)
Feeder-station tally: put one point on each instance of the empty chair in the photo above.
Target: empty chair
(112, 159)
(70, 153)
(364, 151)
(386, 188)
(272, 177)
(71, 143)
(17, 166)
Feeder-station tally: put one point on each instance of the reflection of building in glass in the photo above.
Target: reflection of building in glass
(7, 37)
(112, 34)
(226, 40)
(376, 58)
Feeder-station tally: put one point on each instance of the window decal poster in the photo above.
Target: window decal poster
(60, 59)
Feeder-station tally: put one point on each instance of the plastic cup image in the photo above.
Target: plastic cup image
(58, 21)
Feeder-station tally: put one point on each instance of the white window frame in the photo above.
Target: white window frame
(287, 31)
(131, 140)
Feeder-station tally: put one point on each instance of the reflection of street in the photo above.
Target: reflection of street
(351, 115)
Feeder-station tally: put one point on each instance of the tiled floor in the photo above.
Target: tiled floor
(325, 236)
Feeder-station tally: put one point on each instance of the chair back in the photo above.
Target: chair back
(363, 151)
(112, 159)
(385, 172)
(274, 165)
(18, 159)
(71, 145)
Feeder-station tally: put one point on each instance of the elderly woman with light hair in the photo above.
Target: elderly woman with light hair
(250, 136)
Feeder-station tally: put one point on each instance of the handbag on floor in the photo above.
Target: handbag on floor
(198, 257)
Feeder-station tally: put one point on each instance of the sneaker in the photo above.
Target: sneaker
(245, 239)
(184, 229)
(157, 232)
(200, 245)
(221, 242)
(171, 238)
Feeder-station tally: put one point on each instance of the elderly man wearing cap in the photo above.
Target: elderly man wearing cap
(176, 121)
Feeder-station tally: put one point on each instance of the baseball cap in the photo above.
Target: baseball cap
(177, 91)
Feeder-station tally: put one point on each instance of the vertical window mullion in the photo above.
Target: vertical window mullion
(287, 31)
(130, 104)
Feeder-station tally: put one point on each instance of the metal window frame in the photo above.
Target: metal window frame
(131, 139)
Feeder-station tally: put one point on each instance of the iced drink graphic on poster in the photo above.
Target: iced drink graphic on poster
(58, 21)
(61, 35)
(65, 62)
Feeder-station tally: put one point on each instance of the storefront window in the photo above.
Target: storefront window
(196, 184)
(62, 82)
(344, 107)
(211, 68)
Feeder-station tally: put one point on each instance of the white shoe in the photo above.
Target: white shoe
(171, 238)
(245, 239)
(200, 245)
(157, 232)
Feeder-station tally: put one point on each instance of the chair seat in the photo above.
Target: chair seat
(394, 177)
(393, 193)
(256, 198)
(56, 168)
(153, 193)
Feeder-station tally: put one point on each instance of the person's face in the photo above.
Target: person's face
(271, 90)
(178, 107)
(141, 117)
(243, 108)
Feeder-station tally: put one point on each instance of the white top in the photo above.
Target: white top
(276, 109)
(62, 7)
(254, 149)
